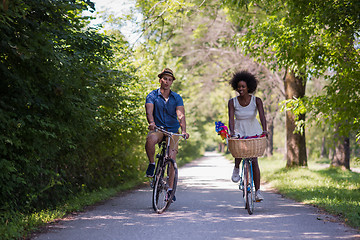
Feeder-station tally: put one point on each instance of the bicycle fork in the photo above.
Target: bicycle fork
(241, 185)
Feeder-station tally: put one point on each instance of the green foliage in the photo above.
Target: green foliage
(69, 106)
(160, 17)
(338, 106)
(297, 106)
(332, 189)
(311, 37)
(200, 31)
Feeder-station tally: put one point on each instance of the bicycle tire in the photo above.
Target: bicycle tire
(173, 162)
(248, 188)
(161, 185)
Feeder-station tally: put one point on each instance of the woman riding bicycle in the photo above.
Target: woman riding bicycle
(242, 119)
(164, 108)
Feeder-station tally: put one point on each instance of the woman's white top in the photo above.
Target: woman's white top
(246, 123)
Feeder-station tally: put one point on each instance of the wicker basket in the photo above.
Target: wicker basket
(247, 148)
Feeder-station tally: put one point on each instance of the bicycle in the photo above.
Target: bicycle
(247, 149)
(246, 179)
(160, 181)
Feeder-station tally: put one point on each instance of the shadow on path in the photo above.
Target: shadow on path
(208, 206)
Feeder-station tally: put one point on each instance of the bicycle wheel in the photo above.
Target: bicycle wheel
(160, 202)
(172, 162)
(248, 188)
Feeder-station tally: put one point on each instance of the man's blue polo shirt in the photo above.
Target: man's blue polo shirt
(165, 111)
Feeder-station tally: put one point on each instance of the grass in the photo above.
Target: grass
(332, 189)
(18, 225)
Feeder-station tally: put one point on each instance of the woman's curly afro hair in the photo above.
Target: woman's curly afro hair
(245, 76)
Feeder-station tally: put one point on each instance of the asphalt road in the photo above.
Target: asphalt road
(208, 206)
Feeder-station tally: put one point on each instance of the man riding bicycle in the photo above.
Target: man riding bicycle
(164, 108)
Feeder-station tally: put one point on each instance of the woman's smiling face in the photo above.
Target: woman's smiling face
(242, 88)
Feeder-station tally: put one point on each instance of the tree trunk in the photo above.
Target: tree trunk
(323, 147)
(342, 153)
(342, 147)
(270, 144)
(331, 153)
(295, 142)
(221, 147)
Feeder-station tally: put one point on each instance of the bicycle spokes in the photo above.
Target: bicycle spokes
(162, 185)
(247, 186)
(241, 184)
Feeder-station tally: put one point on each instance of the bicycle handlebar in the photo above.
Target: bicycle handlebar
(161, 129)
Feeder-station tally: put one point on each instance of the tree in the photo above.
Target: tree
(339, 24)
(305, 37)
(295, 141)
(67, 107)
(282, 45)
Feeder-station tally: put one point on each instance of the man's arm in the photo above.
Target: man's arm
(149, 107)
(180, 112)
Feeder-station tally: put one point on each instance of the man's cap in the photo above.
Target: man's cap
(166, 71)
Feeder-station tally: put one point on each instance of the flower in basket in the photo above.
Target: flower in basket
(222, 130)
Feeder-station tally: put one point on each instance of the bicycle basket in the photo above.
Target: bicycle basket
(247, 148)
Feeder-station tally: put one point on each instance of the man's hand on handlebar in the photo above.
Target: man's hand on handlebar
(186, 135)
(152, 126)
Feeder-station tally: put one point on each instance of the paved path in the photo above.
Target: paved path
(208, 206)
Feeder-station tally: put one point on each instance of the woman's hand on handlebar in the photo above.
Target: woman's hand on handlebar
(266, 133)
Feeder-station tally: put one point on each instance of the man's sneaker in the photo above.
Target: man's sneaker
(168, 196)
(150, 170)
(258, 196)
(235, 176)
